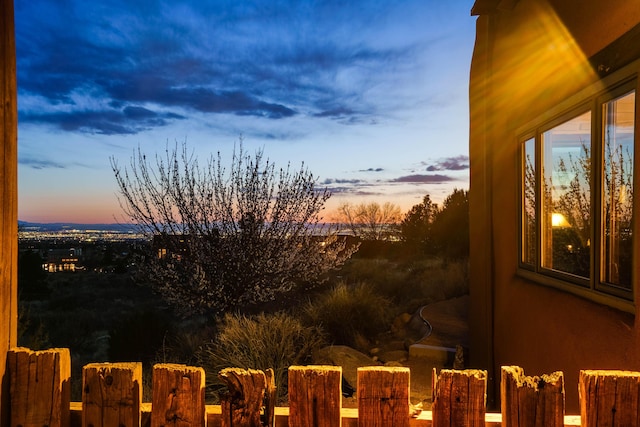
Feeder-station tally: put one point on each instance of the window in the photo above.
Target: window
(577, 195)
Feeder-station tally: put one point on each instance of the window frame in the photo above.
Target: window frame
(592, 99)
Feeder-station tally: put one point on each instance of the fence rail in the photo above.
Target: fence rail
(39, 396)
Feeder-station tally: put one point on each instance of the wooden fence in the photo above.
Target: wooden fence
(112, 397)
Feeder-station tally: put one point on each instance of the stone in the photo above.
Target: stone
(348, 358)
(399, 325)
(393, 356)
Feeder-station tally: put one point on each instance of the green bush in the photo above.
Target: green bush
(260, 342)
(350, 314)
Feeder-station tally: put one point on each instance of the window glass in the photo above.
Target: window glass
(617, 191)
(566, 202)
(529, 203)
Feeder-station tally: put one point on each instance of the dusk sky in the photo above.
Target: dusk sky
(371, 95)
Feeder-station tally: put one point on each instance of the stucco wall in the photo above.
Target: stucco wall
(528, 59)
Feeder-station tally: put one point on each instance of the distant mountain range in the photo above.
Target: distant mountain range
(65, 226)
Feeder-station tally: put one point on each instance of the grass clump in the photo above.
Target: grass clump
(260, 342)
(350, 314)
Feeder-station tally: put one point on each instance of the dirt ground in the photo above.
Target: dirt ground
(450, 329)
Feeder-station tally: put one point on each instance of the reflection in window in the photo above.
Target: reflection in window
(566, 202)
(617, 192)
(529, 203)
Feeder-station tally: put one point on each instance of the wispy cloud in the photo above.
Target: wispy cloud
(422, 179)
(40, 163)
(129, 120)
(331, 181)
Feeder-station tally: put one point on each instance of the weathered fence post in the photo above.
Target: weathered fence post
(270, 398)
(459, 398)
(383, 396)
(609, 398)
(177, 396)
(39, 387)
(111, 394)
(531, 401)
(315, 396)
(242, 402)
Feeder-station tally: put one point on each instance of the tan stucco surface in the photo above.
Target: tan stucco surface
(527, 60)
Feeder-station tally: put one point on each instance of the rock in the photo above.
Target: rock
(394, 356)
(348, 358)
(399, 326)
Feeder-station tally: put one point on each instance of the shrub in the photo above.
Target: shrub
(412, 283)
(183, 343)
(260, 342)
(349, 313)
(433, 283)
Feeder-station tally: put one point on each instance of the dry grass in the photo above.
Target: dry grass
(350, 314)
(260, 342)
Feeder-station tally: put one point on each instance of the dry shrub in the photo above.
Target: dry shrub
(441, 282)
(260, 342)
(382, 276)
(349, 313)
(412, 283)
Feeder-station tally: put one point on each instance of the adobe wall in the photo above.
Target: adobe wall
(527, 60)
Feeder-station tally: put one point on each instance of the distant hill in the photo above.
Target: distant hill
(64, 226)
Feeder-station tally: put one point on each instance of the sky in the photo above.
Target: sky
(372, 96)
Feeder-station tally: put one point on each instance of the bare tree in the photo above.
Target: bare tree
(371, 221)
(226, 239)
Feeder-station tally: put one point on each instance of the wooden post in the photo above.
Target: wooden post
(459, 398)
(8, 200)
(270, 398)
(178, 396)
(111, 394)
(39, 390)
(242, 402)
(531, 401)
(609, 398)
(315, 396)
(383, 397)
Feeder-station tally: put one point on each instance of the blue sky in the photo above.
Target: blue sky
(370, 95)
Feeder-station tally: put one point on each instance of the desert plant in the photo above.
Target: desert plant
(350, 314)
(433, 282)
(263, 341)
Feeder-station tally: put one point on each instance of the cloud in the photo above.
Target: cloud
(330, 181)
(129, 120)
(423, 179)
(456, 163)
(257, 59)
(372, 170)
(40, 163)
(355, 191)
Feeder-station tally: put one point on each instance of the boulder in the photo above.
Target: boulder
(393, 356)
(348, 358)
